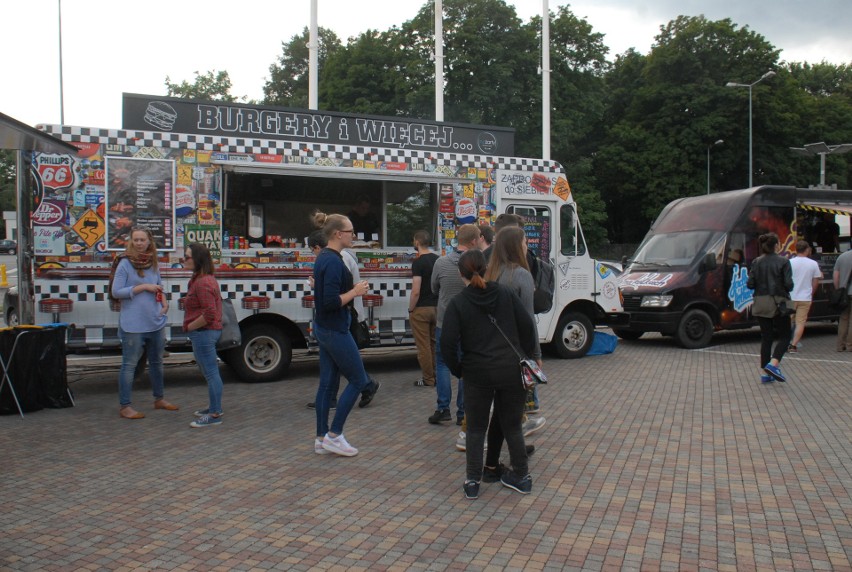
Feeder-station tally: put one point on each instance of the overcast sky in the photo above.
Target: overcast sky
(115, 46)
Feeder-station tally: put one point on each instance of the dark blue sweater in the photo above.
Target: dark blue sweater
(331, 279)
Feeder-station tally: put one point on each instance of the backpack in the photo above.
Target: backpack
(545, 285)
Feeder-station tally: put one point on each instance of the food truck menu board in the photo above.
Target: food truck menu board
(537, 229)
(140, 193)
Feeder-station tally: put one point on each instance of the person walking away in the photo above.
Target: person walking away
(422, 304)
(202, 321)
(334, 290)
(142, 319)
(806, 277)
(771, 278)
(446, 283)
(489, 367)
(841, 275)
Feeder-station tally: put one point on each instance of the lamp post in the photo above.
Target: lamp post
(718, 142)
(767, 75)
(822, 150)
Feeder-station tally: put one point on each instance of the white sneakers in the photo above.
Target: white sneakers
(533, 424)
(318, 447)
(337, 445)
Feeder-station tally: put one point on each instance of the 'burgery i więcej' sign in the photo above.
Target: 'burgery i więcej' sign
(177, 115)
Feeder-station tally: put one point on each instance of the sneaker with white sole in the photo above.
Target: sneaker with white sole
(318, 447)
(338, 445)
(533, 424)
(521, 484)
(207, 421)
(471, 489)
(203, 412)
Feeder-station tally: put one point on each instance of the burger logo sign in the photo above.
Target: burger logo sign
(161, 115)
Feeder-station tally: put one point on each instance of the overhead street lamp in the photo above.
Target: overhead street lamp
(822, 150)
(718, 142)
(767, 75)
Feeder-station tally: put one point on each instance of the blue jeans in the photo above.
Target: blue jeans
(338, 355)
(132, 346)
(443, 380)
(204, 350)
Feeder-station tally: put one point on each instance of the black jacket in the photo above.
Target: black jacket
(771, 275)
(483, 349)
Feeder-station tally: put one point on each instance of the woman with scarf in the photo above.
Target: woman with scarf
(142, 319)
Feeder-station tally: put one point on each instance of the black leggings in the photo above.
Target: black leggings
(779, 328)
(509, 411)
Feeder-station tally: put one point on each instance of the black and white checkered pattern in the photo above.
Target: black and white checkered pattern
(417, 160)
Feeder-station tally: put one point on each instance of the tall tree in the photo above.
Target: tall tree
(288, 78)
(210, 86)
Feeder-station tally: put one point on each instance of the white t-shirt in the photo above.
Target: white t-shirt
(804, 271)
(352, 264)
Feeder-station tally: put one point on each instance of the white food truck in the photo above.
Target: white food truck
(244, 180)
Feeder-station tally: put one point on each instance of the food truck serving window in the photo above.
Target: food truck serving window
(383, 213)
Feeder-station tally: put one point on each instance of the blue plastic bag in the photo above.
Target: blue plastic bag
(603, 344)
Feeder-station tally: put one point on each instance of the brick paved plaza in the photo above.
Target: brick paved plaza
(652, 458)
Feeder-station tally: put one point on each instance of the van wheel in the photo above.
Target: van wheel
(695, 330)
(11, 317)
(264, 355)
(627, 334)
(574, 335)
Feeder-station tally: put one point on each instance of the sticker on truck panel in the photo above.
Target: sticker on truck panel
(740, 295)
(90, 227)
(652, 279)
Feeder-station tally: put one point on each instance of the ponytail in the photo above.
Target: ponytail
(472, 267)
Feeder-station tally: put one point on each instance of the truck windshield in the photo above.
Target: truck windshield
(672, 249)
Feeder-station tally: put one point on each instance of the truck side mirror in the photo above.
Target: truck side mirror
(709, 262)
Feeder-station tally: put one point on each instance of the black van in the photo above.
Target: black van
(688, 276)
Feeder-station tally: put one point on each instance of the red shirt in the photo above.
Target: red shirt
(203, 299)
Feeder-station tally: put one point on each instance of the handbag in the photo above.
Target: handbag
(359, 330)
(785, 307)
(839, 297)
(531, 374)
(231, 337)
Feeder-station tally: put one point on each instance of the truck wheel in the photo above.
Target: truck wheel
(11, 317)
(574, 335)
(695, 330)
(264, 355)
(627, 334)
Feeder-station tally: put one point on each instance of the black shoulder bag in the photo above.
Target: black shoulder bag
(531, 374)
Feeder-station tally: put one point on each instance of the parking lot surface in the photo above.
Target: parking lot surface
(652, 457)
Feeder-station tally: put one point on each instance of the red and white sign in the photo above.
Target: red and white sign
(466, 211)
(49, 213)
(55, 171)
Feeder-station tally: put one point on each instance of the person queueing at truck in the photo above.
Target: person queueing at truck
(202, 321)
(806, 277)
(137, 284)
(771, 278)
(334, 291)
(422, 304)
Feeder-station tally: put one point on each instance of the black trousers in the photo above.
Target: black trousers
(780, 328)
(508, 399)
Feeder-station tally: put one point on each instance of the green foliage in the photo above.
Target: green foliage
(288, 82)
(210, 86)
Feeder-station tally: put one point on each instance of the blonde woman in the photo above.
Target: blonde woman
(142, 319)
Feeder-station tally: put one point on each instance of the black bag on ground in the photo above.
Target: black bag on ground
(231, 337)
(359, 330)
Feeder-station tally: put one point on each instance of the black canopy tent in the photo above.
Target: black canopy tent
(17, 135)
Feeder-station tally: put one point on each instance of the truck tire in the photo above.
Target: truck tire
(627, 334)
(574, 335)
(11, 317)
(264, 355)
(694, 330)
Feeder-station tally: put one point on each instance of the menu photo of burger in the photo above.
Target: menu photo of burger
(160, 115)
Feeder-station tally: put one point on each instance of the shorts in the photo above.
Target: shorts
(802, 311)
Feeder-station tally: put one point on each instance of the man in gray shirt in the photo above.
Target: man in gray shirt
(842, 272)
(446, 283)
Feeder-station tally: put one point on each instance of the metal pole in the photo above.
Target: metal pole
(61, 89)
(439, 60)
(313, 60)
(708, 169)
(822, 169)
(545, 81)
(750, 164)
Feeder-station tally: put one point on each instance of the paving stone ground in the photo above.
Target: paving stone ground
(652, 458)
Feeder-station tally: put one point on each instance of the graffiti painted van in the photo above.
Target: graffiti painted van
(688, 277)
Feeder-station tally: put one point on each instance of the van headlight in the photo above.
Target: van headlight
(656, 301)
